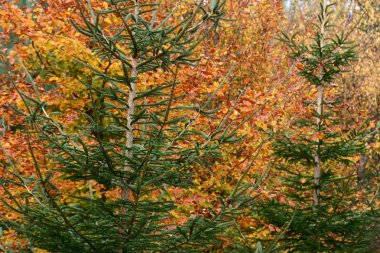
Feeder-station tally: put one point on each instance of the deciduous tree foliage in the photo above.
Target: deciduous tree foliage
(324, 217)
(129, 144)
(122, 126)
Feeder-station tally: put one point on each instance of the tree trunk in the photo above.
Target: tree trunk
(125, 192)
(360, 169)
(317, 158)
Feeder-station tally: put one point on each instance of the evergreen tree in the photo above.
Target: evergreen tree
(130, 142)
(312, 157)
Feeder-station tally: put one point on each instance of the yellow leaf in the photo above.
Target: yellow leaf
(108, 21)
(53, 78)
(261, 125)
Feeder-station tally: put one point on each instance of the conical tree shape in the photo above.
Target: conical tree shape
(311, 157)
(129, 144)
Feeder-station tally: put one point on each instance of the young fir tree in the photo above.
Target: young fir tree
(313, 157)
(130, 141)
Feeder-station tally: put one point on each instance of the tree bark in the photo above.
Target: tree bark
(317, 158)
(125, 192)
(360, 169)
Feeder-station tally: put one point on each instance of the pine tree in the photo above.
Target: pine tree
(311, 156)
(129, 141)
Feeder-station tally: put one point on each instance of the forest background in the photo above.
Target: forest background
(243, 82)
